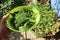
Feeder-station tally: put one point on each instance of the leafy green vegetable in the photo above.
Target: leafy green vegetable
(23, 18)
(47, 22)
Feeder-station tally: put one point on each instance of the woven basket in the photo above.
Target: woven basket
(50, 33)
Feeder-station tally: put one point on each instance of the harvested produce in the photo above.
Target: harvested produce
(48, 24)
(40, 18)
(23, 18)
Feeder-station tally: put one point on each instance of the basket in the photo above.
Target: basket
(49, 33)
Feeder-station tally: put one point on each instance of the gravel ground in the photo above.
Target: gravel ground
(14, 36)
(20, 36)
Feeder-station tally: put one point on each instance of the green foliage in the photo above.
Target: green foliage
(23, 19)
(7, 5)
(47, 19)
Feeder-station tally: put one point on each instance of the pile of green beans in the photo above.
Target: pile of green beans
(47, 20)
